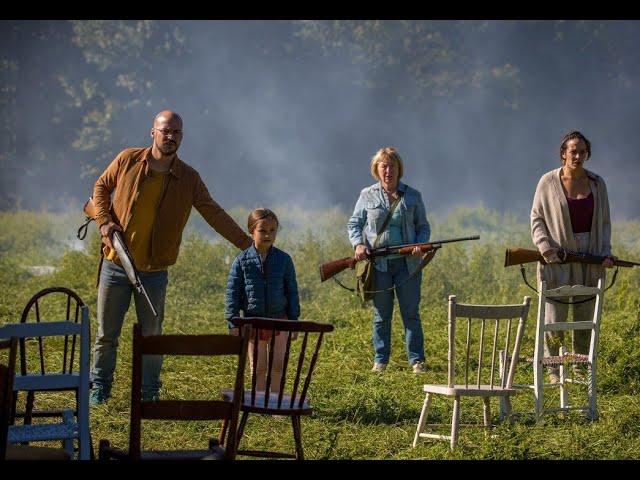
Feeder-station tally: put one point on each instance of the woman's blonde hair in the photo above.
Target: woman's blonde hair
(260, 214)
(389, 154)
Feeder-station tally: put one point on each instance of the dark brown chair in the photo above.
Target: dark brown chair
(188, 410)
(17, 452)
(296, 377)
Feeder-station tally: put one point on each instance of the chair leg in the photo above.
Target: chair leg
(223, 432)
(67, 443)
(92, 454)
(243, 422)
(505, 403)
(501, 405)
(103, 450)
(538, 391)
(28, 411)
(564, 400)
(486, 412)
(297, 435)
(593, 406)
(423, 418)
(455, 422)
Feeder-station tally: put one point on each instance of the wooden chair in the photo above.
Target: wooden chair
(185, 410)
(17, 452)
(7, 372)
(60, 304)
(565, 359)
(296, 377)
(68, 430)
(475, 384)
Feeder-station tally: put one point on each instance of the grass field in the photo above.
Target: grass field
(358, 414)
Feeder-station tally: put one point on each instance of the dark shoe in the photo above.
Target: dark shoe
(150, 397)
(99, 395)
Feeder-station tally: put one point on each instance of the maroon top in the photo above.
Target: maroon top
(581, 212)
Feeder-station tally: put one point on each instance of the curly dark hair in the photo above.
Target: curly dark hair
(572, 136)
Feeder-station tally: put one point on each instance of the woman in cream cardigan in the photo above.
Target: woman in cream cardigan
(571, 211)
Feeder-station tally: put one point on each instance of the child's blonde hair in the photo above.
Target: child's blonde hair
(260, 214)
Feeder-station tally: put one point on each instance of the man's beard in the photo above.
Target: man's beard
(168, 149)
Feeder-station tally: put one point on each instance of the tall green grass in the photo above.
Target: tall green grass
(358, 415)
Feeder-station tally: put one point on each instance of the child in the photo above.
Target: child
(262, 283)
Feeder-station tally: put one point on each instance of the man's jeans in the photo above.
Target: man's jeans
(114, 297)
(408, 294)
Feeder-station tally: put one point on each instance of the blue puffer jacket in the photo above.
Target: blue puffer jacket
(271, 293)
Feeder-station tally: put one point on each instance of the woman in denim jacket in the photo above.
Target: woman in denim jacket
(408, 224)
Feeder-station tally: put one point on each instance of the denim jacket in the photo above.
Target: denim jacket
(262, 291)
(370, 212)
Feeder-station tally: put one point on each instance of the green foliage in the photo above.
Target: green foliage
(358, 415)
(427, 58)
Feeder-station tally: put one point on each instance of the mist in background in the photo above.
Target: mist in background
(290, 112)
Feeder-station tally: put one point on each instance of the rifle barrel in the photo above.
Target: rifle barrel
(437, 242)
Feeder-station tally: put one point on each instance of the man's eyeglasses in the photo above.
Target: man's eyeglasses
(166, 132)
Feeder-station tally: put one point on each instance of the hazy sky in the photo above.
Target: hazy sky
(266, 124)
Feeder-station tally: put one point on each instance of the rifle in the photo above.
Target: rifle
(518, 256)
(123, 254)
(329, 269)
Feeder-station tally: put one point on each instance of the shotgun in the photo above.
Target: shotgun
(123, 254)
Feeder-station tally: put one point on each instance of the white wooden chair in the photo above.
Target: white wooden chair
(540, 362)
(472, 367)
(69, 429)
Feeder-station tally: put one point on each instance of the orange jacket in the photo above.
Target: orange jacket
(183, 189)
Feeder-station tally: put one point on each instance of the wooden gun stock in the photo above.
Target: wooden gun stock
(518, 256)
(329, 269)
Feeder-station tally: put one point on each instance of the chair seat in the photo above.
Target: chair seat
(42, 432)
(272, 404)
(469, 390)
(165, 454)
(30, 452)
(570, 358)
(177, 455)
(50, 381)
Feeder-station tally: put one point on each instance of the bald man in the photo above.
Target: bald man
(154, 193)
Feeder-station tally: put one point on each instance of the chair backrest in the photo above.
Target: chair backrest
(74, 381)
(480, 363)
(298, 364)
(54, 381)
(562, 294)
(7, 373)
(197, 345)
(60, 304)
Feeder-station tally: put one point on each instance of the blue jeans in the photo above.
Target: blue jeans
(408, 293)
(114, 297)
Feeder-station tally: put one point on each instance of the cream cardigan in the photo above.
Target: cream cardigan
(551, 228)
